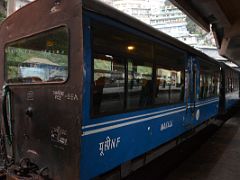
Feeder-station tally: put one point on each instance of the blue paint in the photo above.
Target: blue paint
(135, 140)
(135, 133)
(87, 75)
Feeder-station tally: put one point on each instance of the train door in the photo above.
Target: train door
(42, 65)
(192, 88)
(195, 90)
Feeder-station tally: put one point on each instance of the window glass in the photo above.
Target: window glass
(236, 82)
(134, 58)
(120, 42)
(140, 84)
(170, 68)
(228, 86)
(216, 83)
(108, 84)
(201, 86)
(129, 72)
(209, 80)
(37, 59)
(232, 81)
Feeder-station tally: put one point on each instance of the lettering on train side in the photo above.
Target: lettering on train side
(58, 95)
(30, 96)
(61, 95)
(59, 137)
(166, 125)
(109, 144)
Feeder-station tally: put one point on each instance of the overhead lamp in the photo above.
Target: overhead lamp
(130, 48)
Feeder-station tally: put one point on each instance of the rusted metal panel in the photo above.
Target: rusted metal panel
(40, 120)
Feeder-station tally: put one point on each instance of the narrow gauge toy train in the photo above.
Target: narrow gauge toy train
(89, 91)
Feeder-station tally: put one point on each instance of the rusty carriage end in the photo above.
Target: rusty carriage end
(42, 113)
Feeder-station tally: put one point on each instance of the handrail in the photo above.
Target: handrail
(6, 119)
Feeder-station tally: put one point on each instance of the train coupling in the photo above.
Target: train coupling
(26, 170)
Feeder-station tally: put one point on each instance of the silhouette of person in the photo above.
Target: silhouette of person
(146, 95)
(97, 94)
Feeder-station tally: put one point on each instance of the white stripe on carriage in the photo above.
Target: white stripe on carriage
(198, 105)
(128, 123)
(133, 117)
(204, 103)
(211, 100)
(148, 114)
(140, 120)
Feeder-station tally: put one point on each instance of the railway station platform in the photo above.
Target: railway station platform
(216, 159)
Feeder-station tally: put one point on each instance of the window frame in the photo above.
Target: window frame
(231, 86)
(146, 37)
(93, 53)
(205, 78)
(30, 36)
(183, 72)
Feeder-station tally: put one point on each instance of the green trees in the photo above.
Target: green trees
(3, 5)
(193, 28)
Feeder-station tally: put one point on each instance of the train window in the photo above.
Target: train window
(119, 42)
(231, 79)
(108, 84)
(170, 68)
(38, 59)
(209, 80)
(236, 83)
(125, 75)
(228, 89)
(140, 84)
(125, 92)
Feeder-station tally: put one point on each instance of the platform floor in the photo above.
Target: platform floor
(217, 159)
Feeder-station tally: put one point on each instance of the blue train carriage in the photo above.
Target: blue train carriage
(89, 90)
(230, 88)
(146, 90)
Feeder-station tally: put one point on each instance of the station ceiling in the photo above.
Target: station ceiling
(224, 16)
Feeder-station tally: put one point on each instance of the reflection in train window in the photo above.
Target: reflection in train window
(108, 84)
(140, 84)
(232, 81)
(170, 68)
(131, 72)
(209, 80)
(38, 59)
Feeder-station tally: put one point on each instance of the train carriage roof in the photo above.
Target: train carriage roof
(15, 21)
(115, 14)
